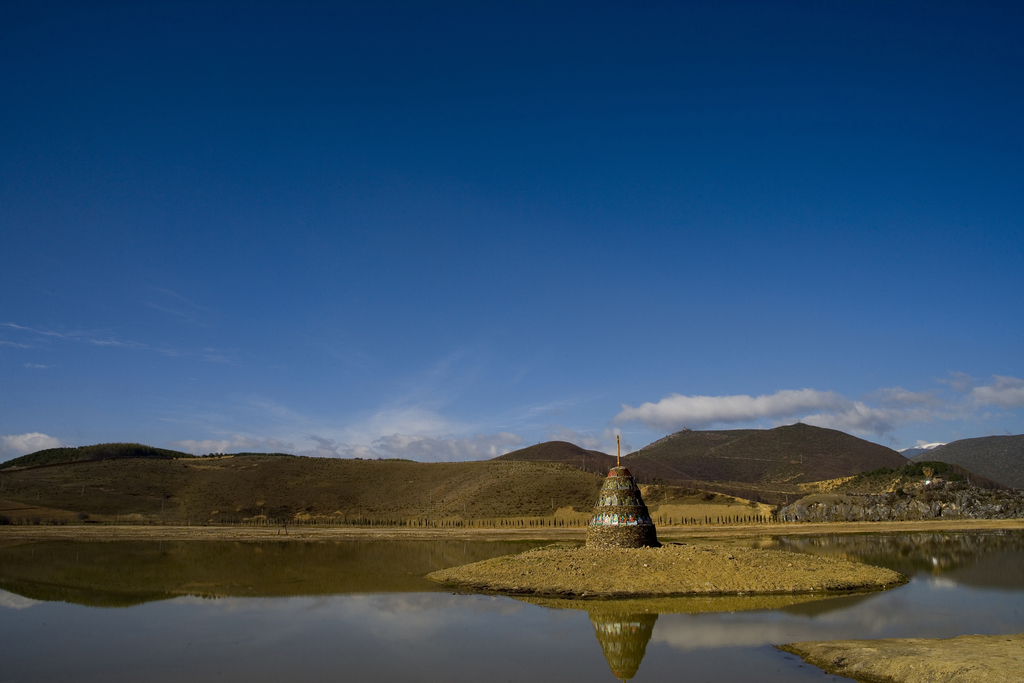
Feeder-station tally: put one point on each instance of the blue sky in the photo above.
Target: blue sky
(448, 230)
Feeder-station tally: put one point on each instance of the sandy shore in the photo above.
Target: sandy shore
(671, 570)
(102, 532)
(965, 659)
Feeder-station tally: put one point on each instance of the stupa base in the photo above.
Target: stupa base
(622, 536)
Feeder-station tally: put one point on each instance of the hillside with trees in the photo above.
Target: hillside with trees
(997, 457)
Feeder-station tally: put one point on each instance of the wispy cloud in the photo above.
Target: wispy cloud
(603, 441)
(898, 396)
(411, 446)
(959, 381)
(236, 443)
(424, 448)
(36, 366)
(93, 338)
(177, 306)
(23, 444)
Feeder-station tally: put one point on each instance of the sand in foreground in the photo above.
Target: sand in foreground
(964, 659)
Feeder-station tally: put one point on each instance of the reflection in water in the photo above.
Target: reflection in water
(624, 627)
(980, 559)
(365, 610)
(623, 640)
(121, 574)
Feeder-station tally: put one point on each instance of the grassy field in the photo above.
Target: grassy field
(276, 490)
(271, 490)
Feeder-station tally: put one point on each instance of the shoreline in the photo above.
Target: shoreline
(101, 533)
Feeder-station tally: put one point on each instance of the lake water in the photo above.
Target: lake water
(357, 610)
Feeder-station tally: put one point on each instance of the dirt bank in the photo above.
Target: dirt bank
(690, 604)
(677, 569)
(965, 659)
(104, 532)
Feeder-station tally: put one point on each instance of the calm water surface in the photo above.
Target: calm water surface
(361, 611)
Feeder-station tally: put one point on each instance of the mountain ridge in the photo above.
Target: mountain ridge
(997, 457)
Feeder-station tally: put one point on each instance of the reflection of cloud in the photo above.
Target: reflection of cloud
(389, 616)
(13, 601)
(911, 611)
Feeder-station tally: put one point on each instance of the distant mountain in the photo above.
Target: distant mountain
(785, 455)
(918, 450)
(997, 457)
(564, 452)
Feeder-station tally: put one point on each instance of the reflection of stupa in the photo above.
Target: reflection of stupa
(621, 519)
(623, 639)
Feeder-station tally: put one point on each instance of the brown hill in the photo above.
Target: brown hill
(785, 455)
(232, 489)
(103, 451)
(564, 452)
(996, 457)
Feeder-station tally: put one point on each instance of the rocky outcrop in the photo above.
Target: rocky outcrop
(926, 500)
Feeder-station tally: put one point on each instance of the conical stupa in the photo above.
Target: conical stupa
(620, 518)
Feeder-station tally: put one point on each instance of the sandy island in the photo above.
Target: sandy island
(964, 659)
(672, 570)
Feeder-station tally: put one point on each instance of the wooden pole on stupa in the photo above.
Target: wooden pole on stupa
(618, 456)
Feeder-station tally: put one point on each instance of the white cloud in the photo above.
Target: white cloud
(478, 447)
(23, 444)
(560, 433)
(894, 406)
(604, 443)
(236, 443)
(858, 418)
(676, 411)
(36, 366)
(959, 381)
(406, 420)
(1006, 392)
(421, 447)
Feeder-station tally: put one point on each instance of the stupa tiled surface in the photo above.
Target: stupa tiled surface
(621, 519)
